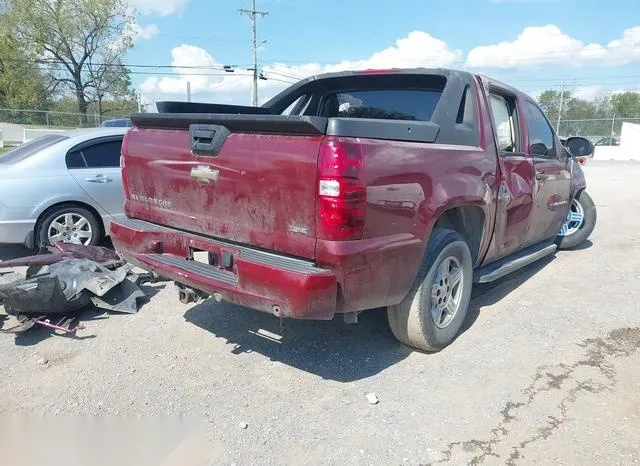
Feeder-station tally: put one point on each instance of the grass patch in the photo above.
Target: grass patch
(5, 149)
(50, 127)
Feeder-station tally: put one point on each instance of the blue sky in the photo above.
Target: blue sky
(533, 44)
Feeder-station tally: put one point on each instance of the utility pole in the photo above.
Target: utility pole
(188, 91)
(253, 14)
(613, 124)
(560, 109)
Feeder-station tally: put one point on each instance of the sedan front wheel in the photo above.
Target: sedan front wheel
(70, 224)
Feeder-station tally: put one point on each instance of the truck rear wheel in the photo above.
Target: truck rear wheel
(430, 316)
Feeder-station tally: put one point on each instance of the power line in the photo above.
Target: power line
(187, 75)
(126, 65)
(164, 73)
(226, 67)
(281, 80)
(271, 71)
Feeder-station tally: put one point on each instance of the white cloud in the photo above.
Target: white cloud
(144, 32)
(418, 48)
(196, 66)
(588, 92)
(592, 91)
(538, 46)
(159, 7)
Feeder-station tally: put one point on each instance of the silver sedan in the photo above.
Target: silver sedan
(62, 187)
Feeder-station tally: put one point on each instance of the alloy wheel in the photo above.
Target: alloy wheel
(574, 220)
(70, 228)
(446, 292)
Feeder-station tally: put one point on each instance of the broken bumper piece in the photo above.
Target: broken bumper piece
(72, 284)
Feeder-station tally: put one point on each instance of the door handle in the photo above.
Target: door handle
(541, 176)
(99, 179)
(207, 139)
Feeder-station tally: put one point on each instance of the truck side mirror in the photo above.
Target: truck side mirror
(539, 149)
(579, 147)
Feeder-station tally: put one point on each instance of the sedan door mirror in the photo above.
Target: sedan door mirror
(579, 147)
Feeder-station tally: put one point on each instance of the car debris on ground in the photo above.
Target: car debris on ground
(65, 279)
(372, 398)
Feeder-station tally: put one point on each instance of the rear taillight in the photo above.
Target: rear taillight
(342, 191)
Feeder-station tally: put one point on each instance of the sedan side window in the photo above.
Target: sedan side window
(541, 140)
(75, 160)
(101, 155)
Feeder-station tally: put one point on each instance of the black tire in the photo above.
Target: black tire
(42, 236)
(581, 234)
(411, 321)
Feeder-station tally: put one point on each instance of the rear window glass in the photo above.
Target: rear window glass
(31, 148)
(386, 104)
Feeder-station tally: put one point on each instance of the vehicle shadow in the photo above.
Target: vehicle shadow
(582, 246)
(13, 251)
(487, 294)
(331, 349)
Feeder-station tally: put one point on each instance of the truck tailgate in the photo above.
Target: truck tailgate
(244, 178)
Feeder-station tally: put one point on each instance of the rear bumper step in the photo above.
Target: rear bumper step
(257, 279)
(213, 273)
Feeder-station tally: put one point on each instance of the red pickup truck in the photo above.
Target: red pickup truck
(350, 191)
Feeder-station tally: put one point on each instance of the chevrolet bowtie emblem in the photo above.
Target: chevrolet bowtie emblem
(204, 174)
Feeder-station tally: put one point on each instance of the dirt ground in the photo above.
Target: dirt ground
(547, 371)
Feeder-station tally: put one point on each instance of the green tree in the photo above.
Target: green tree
(584, 117)
(22, 85)
(79, 43)
(626, 104)
(549, 100)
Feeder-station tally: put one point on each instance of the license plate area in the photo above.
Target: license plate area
(203, 257)
(222, 259)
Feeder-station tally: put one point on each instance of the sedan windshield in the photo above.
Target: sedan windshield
(30, 148)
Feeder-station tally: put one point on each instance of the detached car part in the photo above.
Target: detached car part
(67, 286)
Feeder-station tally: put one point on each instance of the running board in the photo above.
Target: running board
(512, 263)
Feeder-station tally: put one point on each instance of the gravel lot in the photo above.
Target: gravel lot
(547, 371)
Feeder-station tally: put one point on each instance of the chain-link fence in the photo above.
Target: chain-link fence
(594, 129)
(51, 119)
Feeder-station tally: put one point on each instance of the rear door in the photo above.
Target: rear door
(514, 208)
(552, 178)
(252, 184)
(95, 165)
